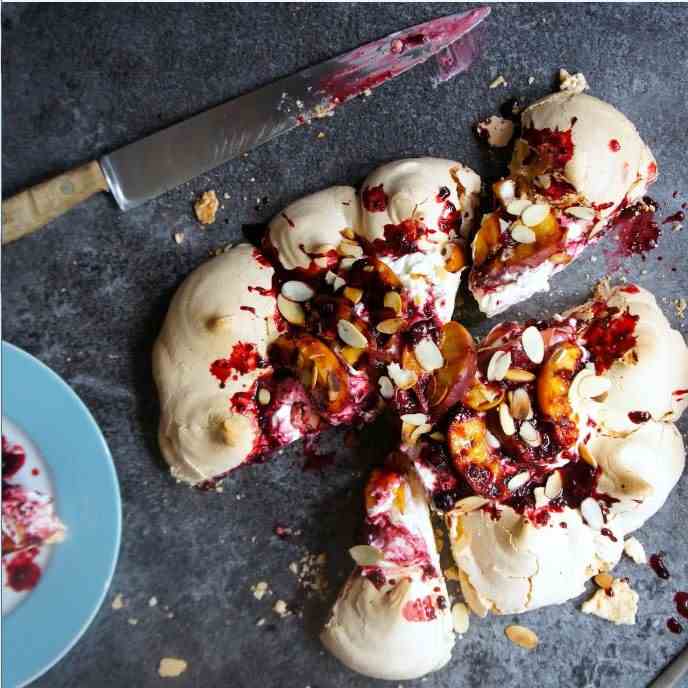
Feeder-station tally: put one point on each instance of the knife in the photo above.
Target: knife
(147, 168)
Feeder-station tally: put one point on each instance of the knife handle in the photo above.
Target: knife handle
(29, 210)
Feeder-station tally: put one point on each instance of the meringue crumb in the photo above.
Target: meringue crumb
(206, 207)
(460, 617)
(153, 601)
(680, 305)
(574, 83)
(531, 80)
(321, 135)
(118, 602)
(280, 608)
(496, 130)
(260, 589)
(226, 195)
(499, 81)
(635, 550)
(171, 667)
(618, 604)
(179, 237)
(310, 572)
(133, 622)
(260, 622)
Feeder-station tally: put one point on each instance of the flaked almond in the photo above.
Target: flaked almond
(390, 326)
(291, 311)
(350, 249)
(517, 206)
(506, 421)
(414, 418)
(418, 432)
(518, 481)
(298, 291)
(522, 636)
(354, 294)
(592, 513)
(338, 283)
(264, 396)
(351, 335)
(322, 262)
(581, 212)
(346, 263)
(533, 215)
(428, 355)
(544, 181)
(348, 233)
(586, 455)
(593, 386)
(519, 404)
(533, 344)
(221, 324)
(366, 555)
(519, 375)
(402, 378)
(529, 435)
(472, 503)
(460, 617)
(522, 234)
(393, 300)
(498, 366)
(386, 387)
(330, 277)
(437, 436)
(554, 485)
(604, 580)
(492, 441)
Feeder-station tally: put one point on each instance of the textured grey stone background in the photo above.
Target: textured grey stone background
(87, 296)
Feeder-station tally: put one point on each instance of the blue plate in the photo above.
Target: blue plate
(46, 625)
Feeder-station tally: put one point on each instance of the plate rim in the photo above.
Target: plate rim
(86, 622)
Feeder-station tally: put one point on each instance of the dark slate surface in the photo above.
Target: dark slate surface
(87, 296)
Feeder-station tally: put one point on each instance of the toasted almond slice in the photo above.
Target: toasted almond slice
(354, 294)
(264, 396)
(348, 233)
(522, 234)
(544, 181)
(330, 277)
(492, 440)
(540, 497)
(586, 455)
(420, 430)
(519, 480)
(472, 503)
(533, 215)
(592, 513)
(351, 335)
(581, 212)
(366, 555)
(386, 387)
(529, 434)
(522, 636)
(554, 485)
(460, 617)
(390, 326)
(498, 365)
(506, 421)
(297, 291)
(338, 283)
(517, 206)
(519, 375)
(533, 344)
(604, 580)
(438, 436)
(402, 378)
(322, 261)
(346, 263)
(519, 404)
(221, 324)
(635, 550)
(593, 386)
(291, 311)
(414, 418)
(393, 300)
(350, 249)
(428, 355)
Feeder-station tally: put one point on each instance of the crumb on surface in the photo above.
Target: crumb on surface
(680, 306)
(499, 81)
(281, 609)
(531, 80)
(310, 572)
(206, 207)
(171, 667)
(618, 604)
(153, 601)
(496, 131)
(133, 622)
(575, 83)
(260, 589)
(118, 602)
(179, 237)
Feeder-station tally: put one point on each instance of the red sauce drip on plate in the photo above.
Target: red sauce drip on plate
(609, 338)
(243, 359)
(374, 199)
(639, 417)
(659, 567)
(681, 600)
(678, 216)
(614, 146)
(674, 626)
(22, 572)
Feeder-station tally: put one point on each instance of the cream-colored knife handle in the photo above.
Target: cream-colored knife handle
(31, 209)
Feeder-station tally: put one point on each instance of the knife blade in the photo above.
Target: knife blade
(143, 170)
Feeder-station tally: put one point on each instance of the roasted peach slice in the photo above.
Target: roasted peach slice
(449, 384)
(487, 239)
(472, 456)
(454, 257)
(553, 382)
(317, 367)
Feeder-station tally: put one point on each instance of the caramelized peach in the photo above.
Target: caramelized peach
(487, 238)
(483, 397)
(553, 384)
(454, 257)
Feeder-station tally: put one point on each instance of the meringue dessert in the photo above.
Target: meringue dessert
(577, 164)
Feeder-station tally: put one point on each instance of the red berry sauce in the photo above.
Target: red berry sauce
(614, 146)
(659, 567)
(243, 359)
(13, 458)
(609, 338)
(681, 600)
(374, 199)
(552, 145)
(674, 626)
(421, 609)
(22, 572)
(639, 417)
(679, 216)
